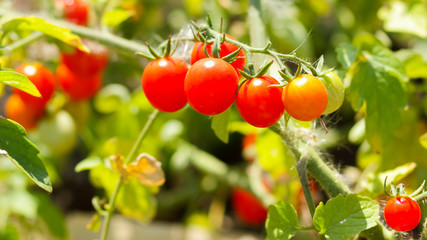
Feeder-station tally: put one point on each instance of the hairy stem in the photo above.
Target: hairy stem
(20, 43)
(130, 157)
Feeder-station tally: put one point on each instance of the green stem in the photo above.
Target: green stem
(420, 197)
(20, 43)
(302, 173)
(306, 228)
(131, 156)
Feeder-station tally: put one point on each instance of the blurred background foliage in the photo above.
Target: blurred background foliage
(201, 171)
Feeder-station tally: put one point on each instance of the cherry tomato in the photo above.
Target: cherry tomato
(76, 11)
(19, 111)
(163, 83)
(248, 208)
(335, 88)
(226, 48)
(43, 79)
(77, 87)
(305, 98)
(211, 85)
(84, 64)
(402, 213)
(258, 103)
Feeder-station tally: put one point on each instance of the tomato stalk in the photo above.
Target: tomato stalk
(130, 157)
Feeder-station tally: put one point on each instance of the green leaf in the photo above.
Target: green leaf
(378, 81)
(9, 233)
(346, 54)
(345, 216)
(115, 17)
(52, 216)
(415, 66)
(15, 146)
(282, 221)
(88, 163)
(423, 140)
(18, 81)
(134, 199)
(405, 17)
(220, 125)
(37, 24)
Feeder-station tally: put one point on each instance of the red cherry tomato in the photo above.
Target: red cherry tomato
(248, 208)
(76, 11)
(226, 48)
(43, 79)
(402, 213)
(258, 103)
(77, 87)
(211, 85)
(85, 64)
(163, 83)
(19, 111)
(305, 98)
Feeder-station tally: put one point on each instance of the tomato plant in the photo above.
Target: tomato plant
(78, 87)
(76, 11)
(211, 85)
(163, 83)
(305, 98)
(43, 79)
(402, 213)
(259, 103)
(248, 208)
(198, 53)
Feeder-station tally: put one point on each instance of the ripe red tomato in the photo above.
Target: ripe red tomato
(163, 84)
(43, 79)
(77, 87)
(305, 98)
(226, 48)
(248, 208)
(402, 213)
(211, 85)
(76, 11)
(85, 64)
(258, 103)
(19, 111)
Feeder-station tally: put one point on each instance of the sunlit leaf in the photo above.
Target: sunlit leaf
(38, 24)
(415, 65)
(282, 221)
(423, 140)
(346, 54)
(115, 17)
(220, 125)
(24, 154)
(18, 81)
(52, 216)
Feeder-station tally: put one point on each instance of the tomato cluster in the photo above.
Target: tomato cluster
(211, 86)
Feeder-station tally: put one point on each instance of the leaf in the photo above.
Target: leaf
(282, 221)
(115, 17)
(9, 232)
(146, 169)
(346, 54)
(415, 66)
(15, 146)
(378, 81)
(405, 17)
(52, 216)
(37, 24)
(94, 224)
(220, 125)
(88, 163)
(18, 81)
(345, 216)
(134, 199)
(423, 140)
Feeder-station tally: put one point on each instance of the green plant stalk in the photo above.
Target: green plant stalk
(130, 157)
(20, 43)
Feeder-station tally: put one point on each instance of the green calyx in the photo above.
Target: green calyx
(399, 191)
(153, 54)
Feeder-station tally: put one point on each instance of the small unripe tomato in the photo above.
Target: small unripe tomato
(335, 88)
(163, 83)
(78, 88)
(20, 112)
(259, 103)
(248, 208)
(402, 213)
(305, 98)
(43, 79)
(226, 48)
(211, 85)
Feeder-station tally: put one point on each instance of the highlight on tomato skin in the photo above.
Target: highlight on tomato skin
(163, 83)
(305, 98)
(198, 53)
(258, 103)
(78, 88)
(402, 213)
(43, 79)
(211, 85)
(248, 208)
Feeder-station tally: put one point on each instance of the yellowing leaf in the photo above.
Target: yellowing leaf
(423, 140)
(95, 224)
(147, 170)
